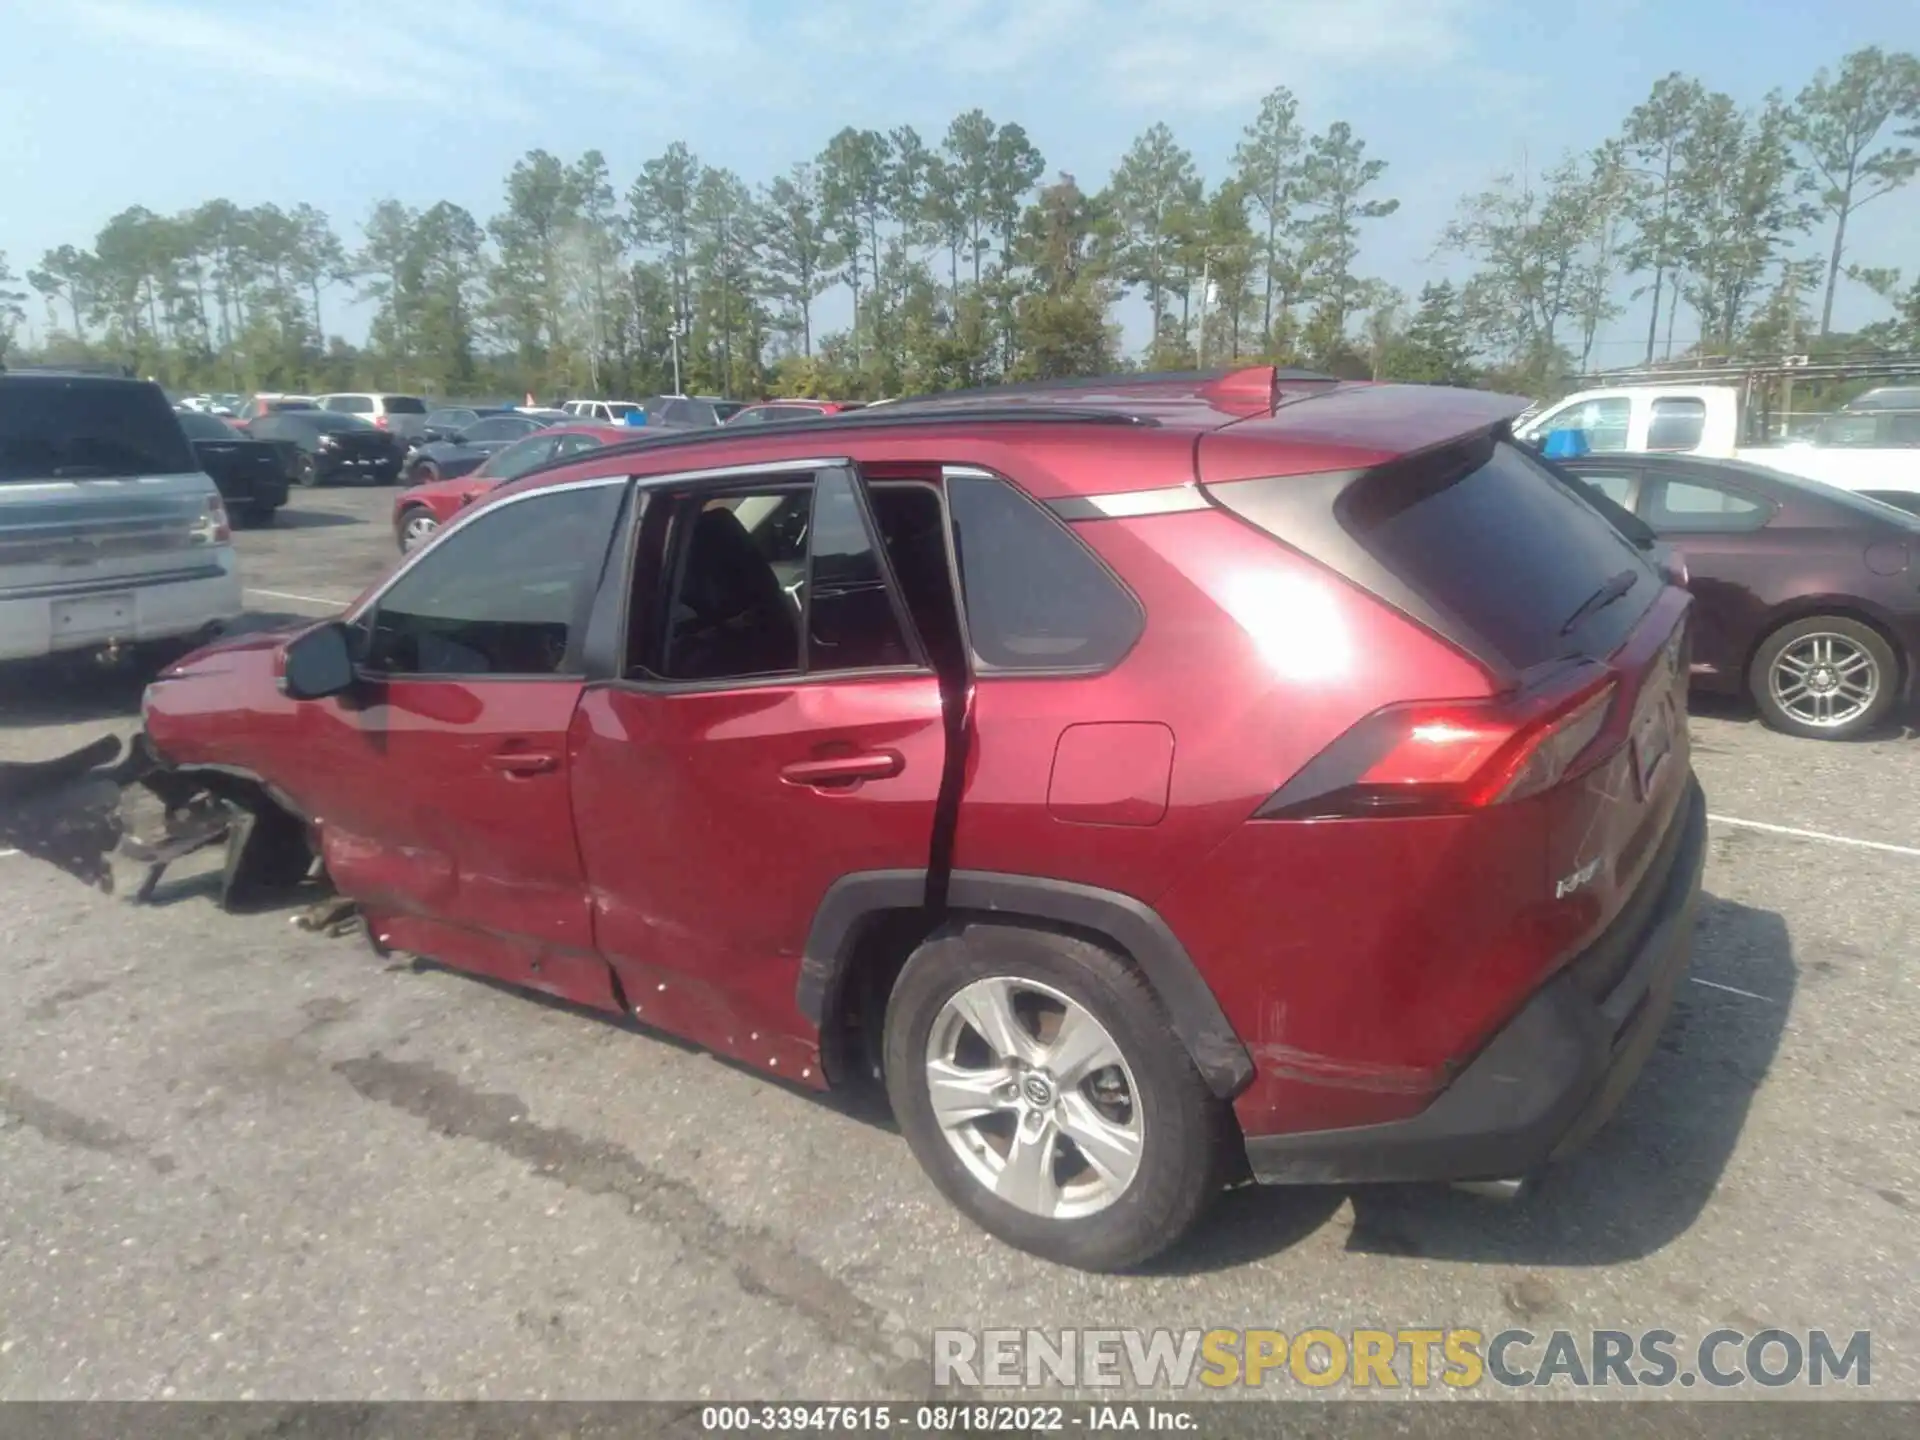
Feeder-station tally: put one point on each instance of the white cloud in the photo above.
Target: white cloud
(265, 51)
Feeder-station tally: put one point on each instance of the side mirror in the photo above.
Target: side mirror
(318, 664)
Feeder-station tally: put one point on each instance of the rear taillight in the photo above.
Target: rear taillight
(381, 421)
(211, 528)
(1447, 757)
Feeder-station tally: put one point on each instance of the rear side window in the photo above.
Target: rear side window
(1036, 598)
(1678, 423)
(1498, 545)
(350, 404)
(1699, 508)
(86, 429)
(403, 405)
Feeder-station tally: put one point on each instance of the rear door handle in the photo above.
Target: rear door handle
(844, 769)
(522, 762)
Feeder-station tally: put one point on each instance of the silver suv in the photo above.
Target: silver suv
(110, 533)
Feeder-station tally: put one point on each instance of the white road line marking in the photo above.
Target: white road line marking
(1814, 835)
(303, 599)
(1730, 989)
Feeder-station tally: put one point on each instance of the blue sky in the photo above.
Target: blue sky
(165, 103)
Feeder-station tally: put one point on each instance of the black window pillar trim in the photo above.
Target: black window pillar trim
(1129, 924)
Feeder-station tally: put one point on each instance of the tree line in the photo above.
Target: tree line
(964, 262)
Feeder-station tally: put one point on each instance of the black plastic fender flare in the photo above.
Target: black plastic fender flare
(1128, 924)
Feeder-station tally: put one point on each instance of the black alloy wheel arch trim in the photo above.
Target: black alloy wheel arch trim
(1129, 924)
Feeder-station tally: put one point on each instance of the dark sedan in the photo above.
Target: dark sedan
(251, 475)
(1807, 598)
(333, 447)
(450, 420)
(467, 451)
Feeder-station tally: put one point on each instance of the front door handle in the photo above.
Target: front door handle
(844, 769)
(522, 762)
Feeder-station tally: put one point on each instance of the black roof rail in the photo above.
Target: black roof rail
(87, 369)
(1124, 380)
(884, 417)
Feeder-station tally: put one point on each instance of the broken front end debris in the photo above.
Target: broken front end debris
(115, 815)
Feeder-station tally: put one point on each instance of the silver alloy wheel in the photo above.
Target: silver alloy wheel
(1824, 680)
(1035, 1097)
(417, 531)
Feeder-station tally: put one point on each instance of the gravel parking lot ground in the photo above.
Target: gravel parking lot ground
(239, 1160)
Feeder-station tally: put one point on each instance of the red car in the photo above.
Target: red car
(421, 510)
(1153, 780)
(770, 410)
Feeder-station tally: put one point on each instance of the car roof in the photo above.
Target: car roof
(1112, 434)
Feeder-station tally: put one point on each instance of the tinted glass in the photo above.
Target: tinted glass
(1615, 487)
(851, 621)
(1678, 424)
(676, 413)
(730, 612)
(350, 404)
(753, 416)
(325, 421)
(725, 411)
(520, 457)
(79, 429)
(500, 427)
(275, 407)
(575, 445)
(1036, 597)
(206, 427)
(1699, 507)
(1506, 550)
(403, 404)
(503, 596)
(450, 419)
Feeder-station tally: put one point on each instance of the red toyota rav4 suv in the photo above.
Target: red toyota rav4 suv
(1154, 781)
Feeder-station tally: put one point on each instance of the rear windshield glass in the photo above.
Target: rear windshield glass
(81, 429)
(1510, 553)
(404, 404)
(206, 427)
(326, 420)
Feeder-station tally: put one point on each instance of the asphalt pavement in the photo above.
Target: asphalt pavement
(240, 1160)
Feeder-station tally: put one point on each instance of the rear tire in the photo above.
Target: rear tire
(305, 473)
(1825, 677)
(422, 473)
(1159, 1148)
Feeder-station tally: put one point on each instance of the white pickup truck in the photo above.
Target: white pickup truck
(1706, 420)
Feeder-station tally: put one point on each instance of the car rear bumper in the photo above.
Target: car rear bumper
(382, 468)
(1548, 1079)
(78, 617)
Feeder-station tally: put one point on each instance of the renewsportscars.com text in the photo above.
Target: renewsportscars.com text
(1412, 1359)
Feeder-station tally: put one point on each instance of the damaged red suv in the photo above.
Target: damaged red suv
(1154, 782)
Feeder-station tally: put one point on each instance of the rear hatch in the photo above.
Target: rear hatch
(406, 416)
(1583, 641)
(361, 442)
(239, 465)
(98, 487)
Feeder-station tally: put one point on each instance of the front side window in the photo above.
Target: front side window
(1036, 597)
(783, 579)
(518, 458)
(1604, 421)
(505, 595)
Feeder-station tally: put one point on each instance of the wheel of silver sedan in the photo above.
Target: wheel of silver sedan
(1825, 680)
(417, 530)
(1035, 1097)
